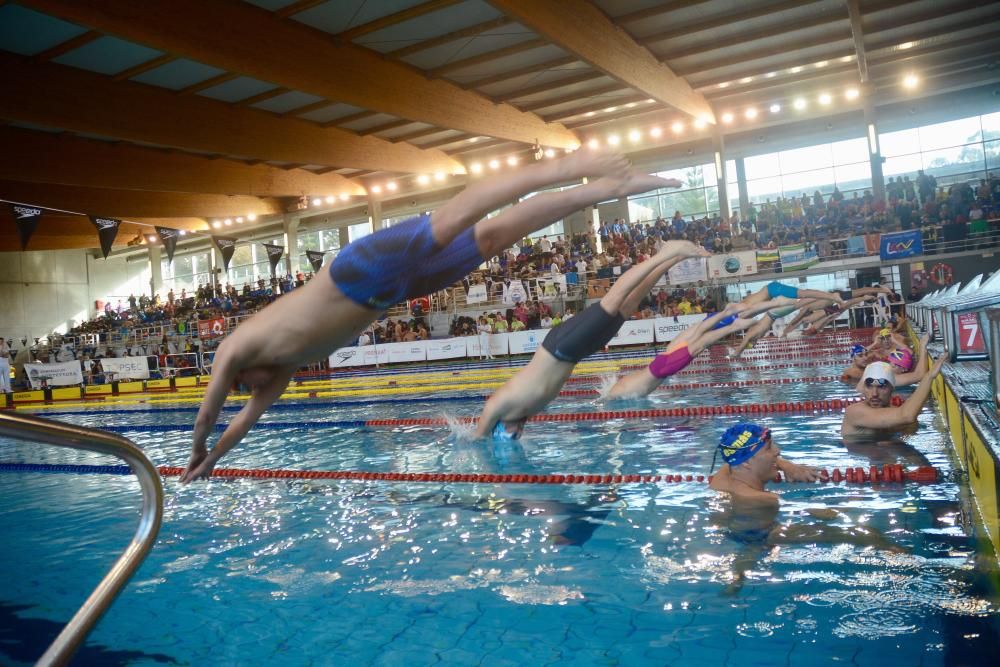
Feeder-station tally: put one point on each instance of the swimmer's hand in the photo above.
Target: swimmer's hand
(683, 249)
(200, 466)
(672, 183)
(797, 473)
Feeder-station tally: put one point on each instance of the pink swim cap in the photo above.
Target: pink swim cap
(901, 359)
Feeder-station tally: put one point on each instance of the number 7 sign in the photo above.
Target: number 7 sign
(970, 336)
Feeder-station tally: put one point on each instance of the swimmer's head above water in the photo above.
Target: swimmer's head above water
(877, 384)
(741, 442)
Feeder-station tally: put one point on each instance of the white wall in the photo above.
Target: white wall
(42, 292)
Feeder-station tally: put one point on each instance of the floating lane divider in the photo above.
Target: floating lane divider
(832, 405)
(887, 473)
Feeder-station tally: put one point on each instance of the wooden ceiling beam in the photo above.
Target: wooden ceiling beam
(385, 127)
(146, 114)
(306, 108)
(471, 31)
(260, 97)
(298, 7)
(577, 97)
(521, 71)
(488, 57)
(396, 18)
(720, 21)
(584, 30)
(135, 203)
(41, 157)
(208, 83)
(141, 68)
(254, 42)
(549, 86)
(67, 46)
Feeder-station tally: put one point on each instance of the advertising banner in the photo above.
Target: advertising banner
(359, 356)
(856, 246)
(550, 288)
(691, 270)
(315, 259)
(56, 375)
(901, 244)
(796, 257)
(476, 294)
(525, 342)
(226, 246)
(403, 352)
(107, 230)
(448, 348)
(168, 237)
(27, 218)
(498, 344)
(635, 332)
(131, 368)
(210, 328)
(274, 253)
(734, 264)
(668, 328)
(514, 293)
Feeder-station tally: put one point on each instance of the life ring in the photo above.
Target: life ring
(941, 273)
(918, 279)
(425, 303)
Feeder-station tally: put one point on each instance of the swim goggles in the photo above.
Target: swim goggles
(881, 382)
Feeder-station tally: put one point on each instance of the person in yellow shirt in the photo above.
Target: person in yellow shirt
(517, 325)
(684, 307)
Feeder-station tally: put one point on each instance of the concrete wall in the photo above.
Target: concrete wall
(42, 292)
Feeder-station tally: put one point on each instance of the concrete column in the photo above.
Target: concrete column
(155, 270)
(741, 183)
(720, 173)
(345, 237)
(874, 149)
(375, 213)
(290, 225)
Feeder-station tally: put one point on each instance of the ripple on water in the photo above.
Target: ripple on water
(876, 624)
(758, 629)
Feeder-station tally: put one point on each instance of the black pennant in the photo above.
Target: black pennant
(226, 246)
(168, 237)
(274, 253)
(26, 218)
(107, 230)
(316, 259)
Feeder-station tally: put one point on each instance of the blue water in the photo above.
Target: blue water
(306, 572)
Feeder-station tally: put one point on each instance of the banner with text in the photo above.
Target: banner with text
(27, 218)
(734, 264)
(498, 345)
(315, 259)
(403, 352)
(274, 253)
(796, 257)
(514, 293)
(525, 342)
(131, 368)
(691, 270)
(551, 287)
(476, 294)
(55, 375)
(446, 348)
(168, 237)
(211, 328)
(107, 230)
(226, 246)
(669, 328)
(901, 244)
(368, 355)
(635, 332)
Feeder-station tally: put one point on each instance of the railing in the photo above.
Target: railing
(55, 433)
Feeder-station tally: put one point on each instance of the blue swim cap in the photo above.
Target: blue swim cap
(501, 433)
(857, 349)
(740, 442)
(725, 321)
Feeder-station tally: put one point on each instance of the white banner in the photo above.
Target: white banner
(734, 264)
(525, 342)
(447, 348)
(514, 293)
(132, 368)
(690, 270)
(558, 288)
(400, 352)
(476, 294)
(498, 345)
(668, 328)
(359, 356)
(56, 375)
(634, 332)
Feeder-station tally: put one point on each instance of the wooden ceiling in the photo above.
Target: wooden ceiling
(198, 109)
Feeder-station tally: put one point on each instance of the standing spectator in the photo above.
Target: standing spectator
(4, 367)
(484, 338)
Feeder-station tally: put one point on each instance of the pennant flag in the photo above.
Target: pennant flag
(168, 237)
(226, 246)
(107, 230)
(274, 253)
(316, 259)
(26, 218)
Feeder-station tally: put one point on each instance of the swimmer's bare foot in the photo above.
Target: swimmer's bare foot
(593, 162)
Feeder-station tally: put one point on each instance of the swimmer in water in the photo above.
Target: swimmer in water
(414, 258)
(534, 386)
(689, 344)
(876, 413)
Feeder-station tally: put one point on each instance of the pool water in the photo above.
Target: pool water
(317, 572)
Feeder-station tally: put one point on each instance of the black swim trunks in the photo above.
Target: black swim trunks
(583, 334)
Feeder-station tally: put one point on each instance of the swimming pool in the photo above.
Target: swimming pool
(319, 572)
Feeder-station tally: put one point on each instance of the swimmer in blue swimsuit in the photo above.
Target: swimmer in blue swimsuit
(534, 386)
(414, 258)
(774, 289)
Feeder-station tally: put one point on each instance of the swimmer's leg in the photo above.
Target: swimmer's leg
(629, 290)
(753, 334)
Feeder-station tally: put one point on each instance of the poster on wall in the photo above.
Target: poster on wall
(691, 270)
(901, 244)
(54, 375)
(514, 293)
(476, 294)
(734, 264)
(126, 368)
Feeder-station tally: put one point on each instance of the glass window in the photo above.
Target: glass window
(903, 142)
(763, 189)
(993, 155)
(991, 126)
(688, 202)
(957, 160)
(905, 164)
(952, 133)
(731, 172)
(712, 200)
(806, 182)
(849, 151)
(358, 231)
(853, 176)
(641, 209)
(709, 179)
(802, 159)
(762, 166)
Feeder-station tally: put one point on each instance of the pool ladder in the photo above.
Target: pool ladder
(35, 429)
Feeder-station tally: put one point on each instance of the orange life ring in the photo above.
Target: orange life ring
(942, 274)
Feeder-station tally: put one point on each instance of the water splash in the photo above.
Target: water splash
(460, 429)
(604, 384)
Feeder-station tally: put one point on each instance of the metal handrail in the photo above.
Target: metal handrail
(36, 429)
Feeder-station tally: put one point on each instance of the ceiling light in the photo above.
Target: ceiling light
(344, 196)
(634, 136)
(227, 222)
(439, 176)
(239, 220)
(906, 45)
(799, 103)
(317, 201)
(593, 144)
(727, 117)
(391, 186)
(253, 216)
(473, 140)
(822, 63)
(512, 161)
(825, 98)
(851, 93)
(182, 233)
(700, 123)
(630, 105)
(377, 189)
(770, 75)
(476, 168)
(150, 238)
(549, 152)
(589, 114)
(724, 84)
(423, 179)
(655, 132)
(750, 113)
(610, 109)
(614, 140)
(847, 59)
(746, 79)
(494, 164)
(795, 70)
(677, 127)
(650, 100)
(216, 224)
(911, 81)
(775, 108)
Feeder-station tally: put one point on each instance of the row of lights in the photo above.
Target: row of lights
(228, 222)
(799, 104)
(791, 70)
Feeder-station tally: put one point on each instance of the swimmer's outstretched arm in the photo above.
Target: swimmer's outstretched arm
(797, 473)
(919, 368)
(860, 416)
(805, 310)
